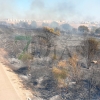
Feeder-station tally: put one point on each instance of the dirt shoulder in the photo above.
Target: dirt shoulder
(11, 86)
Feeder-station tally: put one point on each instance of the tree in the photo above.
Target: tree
(66, 26)
(50, 33)
(54, 24)
(97, 30)
(45, 24)
(93, 29)
(83, 29)
(91, 46)
(33, 24)
(23, 24)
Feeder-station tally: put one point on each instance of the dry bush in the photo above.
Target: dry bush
(62, 64)
(91, 47)
(54, 57)
(75, 70)
(43, 41)
(64, 70)
(73, 60)
(51, 30)
(26, 57)
(60, 74)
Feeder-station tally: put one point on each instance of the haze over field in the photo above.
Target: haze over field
(68, 10)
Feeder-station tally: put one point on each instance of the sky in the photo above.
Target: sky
(68, 10)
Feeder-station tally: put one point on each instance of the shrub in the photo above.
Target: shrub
(83, 29)
(60, 74)
(97, 30)
(61, 69)
(26, 57)
(51, 30)
(91, 46)
(62, 64)
(54, 57)
(75, 70)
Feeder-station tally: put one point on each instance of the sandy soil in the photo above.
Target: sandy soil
(11, 86)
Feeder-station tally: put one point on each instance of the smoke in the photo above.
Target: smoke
(8, 9)
(64, 10)
(37, 4)
(57, 11)
(44, 10)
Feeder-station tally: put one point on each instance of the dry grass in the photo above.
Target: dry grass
(61, 83)
(27, 58)
(54, 56)
(73, 60)
(75, 69)
(66, 69)
(62, 64)
(60, 74)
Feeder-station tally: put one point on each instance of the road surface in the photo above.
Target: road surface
(7, 91)
(11, 86)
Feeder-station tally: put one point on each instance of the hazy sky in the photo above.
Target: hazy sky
(69, 10)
